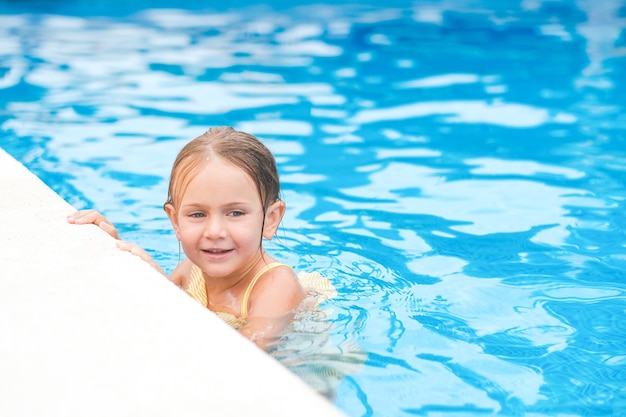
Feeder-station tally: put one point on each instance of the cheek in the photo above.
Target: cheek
(245, 231)
(189, 230)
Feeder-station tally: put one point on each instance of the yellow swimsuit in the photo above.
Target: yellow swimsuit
(310, 281)
(309, 352)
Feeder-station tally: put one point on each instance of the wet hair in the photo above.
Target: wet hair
(240, 149)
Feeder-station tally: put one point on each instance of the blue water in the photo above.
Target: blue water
(457, 168)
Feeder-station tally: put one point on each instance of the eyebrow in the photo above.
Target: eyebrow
(229, 204)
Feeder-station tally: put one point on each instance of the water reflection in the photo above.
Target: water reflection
(455, 167)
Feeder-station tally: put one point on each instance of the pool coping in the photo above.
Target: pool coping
(86, 329)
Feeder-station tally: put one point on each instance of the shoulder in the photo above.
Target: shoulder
(276, 292)
(280, 273)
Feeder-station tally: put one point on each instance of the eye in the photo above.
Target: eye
(196, 215)
(236, 213)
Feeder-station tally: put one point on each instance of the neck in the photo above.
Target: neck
(222, 285)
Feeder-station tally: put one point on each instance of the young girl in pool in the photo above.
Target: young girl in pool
(223, 199)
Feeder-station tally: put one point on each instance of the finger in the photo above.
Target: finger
(74, 216)
(125, 246)
(109, 228)
(142, 254)
(130, 247)
(84, 217)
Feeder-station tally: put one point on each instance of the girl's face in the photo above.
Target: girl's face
(219, 221)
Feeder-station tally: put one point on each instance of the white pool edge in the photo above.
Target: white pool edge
(86, 329)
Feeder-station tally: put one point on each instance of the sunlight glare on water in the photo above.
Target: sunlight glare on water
(456, 168)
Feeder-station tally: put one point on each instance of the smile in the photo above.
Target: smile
(216, 251)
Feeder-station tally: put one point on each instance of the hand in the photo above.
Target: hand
(137, 251)
(93, 217)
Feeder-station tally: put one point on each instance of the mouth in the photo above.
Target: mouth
(216, 251)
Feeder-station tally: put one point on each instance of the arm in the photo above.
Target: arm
(180, 275)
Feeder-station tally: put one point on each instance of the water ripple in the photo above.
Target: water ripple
(456, 168)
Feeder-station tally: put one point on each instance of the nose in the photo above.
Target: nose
(214, 227)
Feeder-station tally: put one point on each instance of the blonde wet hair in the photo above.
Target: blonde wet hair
(240, 149)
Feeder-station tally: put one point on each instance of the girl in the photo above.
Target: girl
(223, 199)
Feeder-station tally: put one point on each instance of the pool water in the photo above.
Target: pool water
(457, 168)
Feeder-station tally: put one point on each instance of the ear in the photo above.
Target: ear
(171, 213)
(273, 216)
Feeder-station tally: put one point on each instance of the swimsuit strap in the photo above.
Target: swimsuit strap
(246, 295)
(197, 286)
